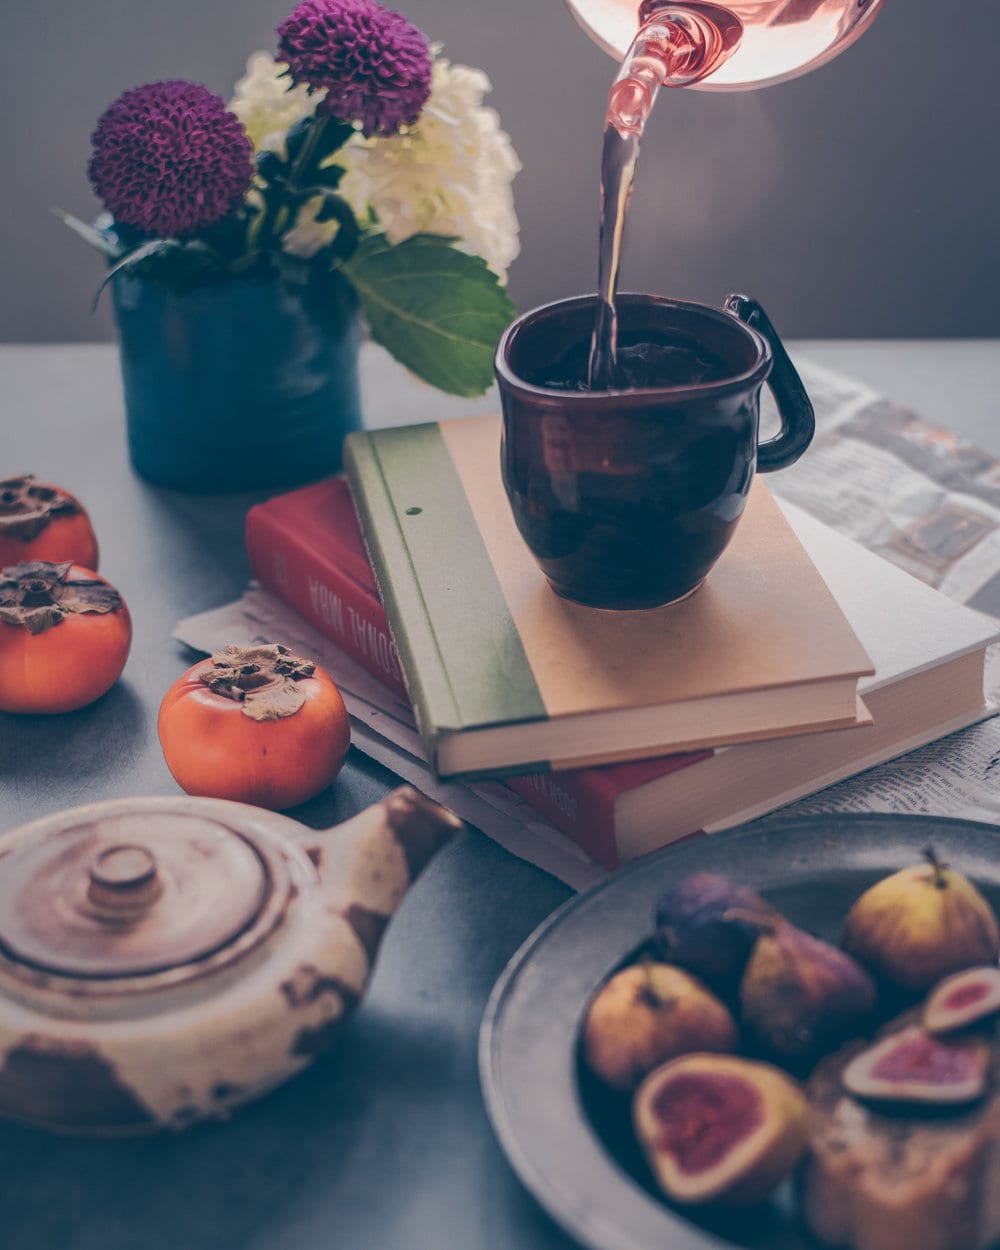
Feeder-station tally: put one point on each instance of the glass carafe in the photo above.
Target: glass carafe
(736, 45)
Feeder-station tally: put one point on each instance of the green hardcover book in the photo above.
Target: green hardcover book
(506, 677)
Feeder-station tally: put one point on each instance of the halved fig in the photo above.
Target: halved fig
(717, 1128)
(963, 999)
(914, 1066)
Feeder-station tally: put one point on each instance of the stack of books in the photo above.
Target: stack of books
(803, 659)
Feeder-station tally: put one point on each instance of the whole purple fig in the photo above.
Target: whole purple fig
(801, 996)
(709, 924)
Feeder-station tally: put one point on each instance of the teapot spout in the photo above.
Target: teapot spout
(367, 864)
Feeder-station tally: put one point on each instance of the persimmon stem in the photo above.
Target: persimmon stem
(37, 594)
(26, 508)
(261, 678)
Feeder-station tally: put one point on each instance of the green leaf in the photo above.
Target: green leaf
(310, 142)
(103, 241)
(335, 134)
(155, 247)
(345, 241)
(170, 262)
(330, 176)
(271, 167)
(439, 311)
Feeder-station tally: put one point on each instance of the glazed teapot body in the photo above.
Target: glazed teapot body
(163, 960)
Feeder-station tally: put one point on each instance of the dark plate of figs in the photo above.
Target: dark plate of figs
(789, 991)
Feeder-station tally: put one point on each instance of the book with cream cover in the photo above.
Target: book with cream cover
(505, 676)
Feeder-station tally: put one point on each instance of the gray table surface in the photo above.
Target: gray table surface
(384, 1143)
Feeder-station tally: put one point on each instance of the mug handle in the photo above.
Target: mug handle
(798, 421)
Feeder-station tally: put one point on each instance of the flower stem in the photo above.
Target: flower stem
(301, 162)
(274, 216)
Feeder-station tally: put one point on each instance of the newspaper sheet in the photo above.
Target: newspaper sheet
(910, 491)
(930, 503)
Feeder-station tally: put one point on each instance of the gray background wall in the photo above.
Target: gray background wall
(858, 201)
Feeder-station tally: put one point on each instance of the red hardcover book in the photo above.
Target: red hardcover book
(306, 548)
(583, 802)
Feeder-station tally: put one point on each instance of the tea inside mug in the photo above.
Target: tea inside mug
(643, 360)
(662, 345)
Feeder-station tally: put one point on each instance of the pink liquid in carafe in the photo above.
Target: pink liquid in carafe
(781, 38)
(744, 43)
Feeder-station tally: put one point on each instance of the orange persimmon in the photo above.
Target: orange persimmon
(65, 635)
(255, 724)
(41, 522)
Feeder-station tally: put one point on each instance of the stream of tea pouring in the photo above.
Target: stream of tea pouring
(683, 43)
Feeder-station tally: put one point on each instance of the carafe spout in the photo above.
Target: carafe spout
(678, 44)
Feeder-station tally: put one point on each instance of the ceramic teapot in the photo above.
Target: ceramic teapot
(165, 959)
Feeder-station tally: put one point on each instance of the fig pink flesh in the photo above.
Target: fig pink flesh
(924, 1058)
(965, 996)
(702, 1116)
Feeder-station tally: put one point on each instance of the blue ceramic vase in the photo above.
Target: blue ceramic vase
(245, 385)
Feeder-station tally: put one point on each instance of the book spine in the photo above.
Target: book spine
(427, 683)
(577, 805)
(288, 565)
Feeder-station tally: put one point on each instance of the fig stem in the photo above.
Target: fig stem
(647, 991)
(940, 880)
(763, 924)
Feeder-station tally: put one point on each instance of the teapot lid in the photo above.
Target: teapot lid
(135, 894)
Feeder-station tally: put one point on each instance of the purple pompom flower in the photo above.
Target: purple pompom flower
(169, 159)
(374, 65)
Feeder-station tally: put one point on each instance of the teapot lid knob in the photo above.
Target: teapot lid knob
(123, 878)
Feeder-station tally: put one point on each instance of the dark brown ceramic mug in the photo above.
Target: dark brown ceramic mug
(626, 498)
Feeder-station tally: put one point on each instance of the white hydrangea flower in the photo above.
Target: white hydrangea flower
(449, 174)
(266, 105)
